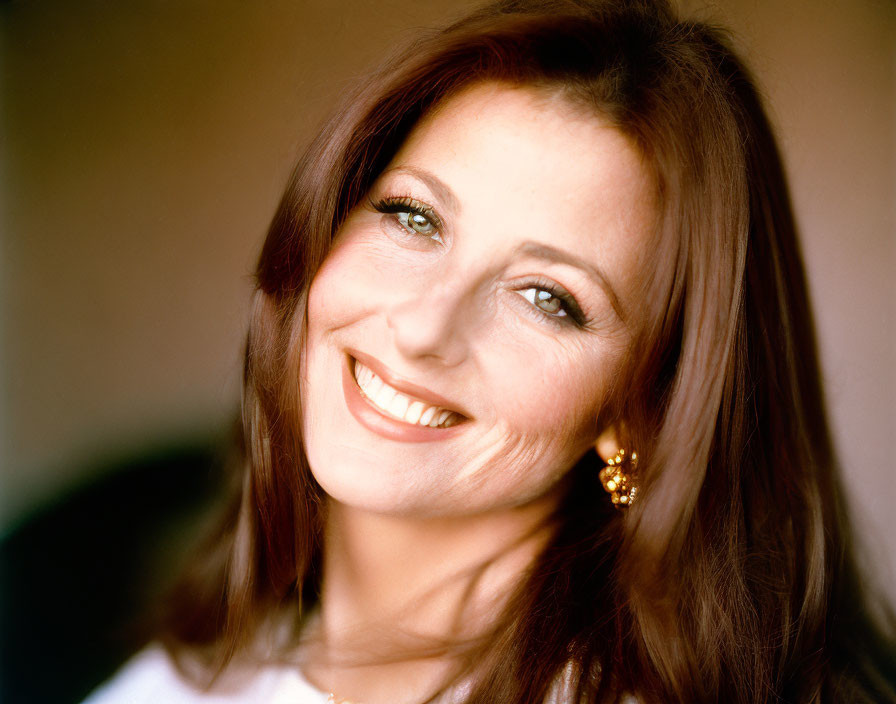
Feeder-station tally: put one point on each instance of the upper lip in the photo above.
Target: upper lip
(406, 387)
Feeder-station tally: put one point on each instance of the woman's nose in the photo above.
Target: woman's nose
(432, 322)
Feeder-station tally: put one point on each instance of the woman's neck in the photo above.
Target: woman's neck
(398, 593)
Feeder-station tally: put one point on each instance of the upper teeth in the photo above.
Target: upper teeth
(398, 405)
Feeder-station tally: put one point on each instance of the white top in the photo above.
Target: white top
(151, 678)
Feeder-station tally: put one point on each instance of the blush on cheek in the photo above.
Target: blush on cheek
(339, 290)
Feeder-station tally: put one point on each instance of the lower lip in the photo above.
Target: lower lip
(376, 421)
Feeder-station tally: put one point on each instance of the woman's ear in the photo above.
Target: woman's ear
(608, 442)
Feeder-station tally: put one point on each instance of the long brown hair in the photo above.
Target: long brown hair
(731, 579)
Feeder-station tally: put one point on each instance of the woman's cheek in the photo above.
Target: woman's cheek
(548, 387)
(346, 285)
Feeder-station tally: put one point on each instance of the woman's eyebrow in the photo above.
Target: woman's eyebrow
(559, 256)
(439, 188)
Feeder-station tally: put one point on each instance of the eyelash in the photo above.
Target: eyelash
(574, 314)
(412, 206)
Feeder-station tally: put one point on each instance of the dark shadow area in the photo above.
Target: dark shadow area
(82, 580)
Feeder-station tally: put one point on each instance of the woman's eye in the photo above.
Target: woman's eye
(545, 301)
(419, 223)
(417, 218)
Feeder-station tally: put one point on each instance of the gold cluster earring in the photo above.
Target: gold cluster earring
(619, 482)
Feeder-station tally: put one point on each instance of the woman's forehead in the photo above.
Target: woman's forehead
(534, 167)
(522, 139)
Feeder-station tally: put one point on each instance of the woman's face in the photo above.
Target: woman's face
(488, 287)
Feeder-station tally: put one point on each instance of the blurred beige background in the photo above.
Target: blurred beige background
(146, 144)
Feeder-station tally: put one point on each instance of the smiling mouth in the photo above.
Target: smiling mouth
(396, 404)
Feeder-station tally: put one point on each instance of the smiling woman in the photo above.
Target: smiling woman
(454, 291)
(531, 399)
